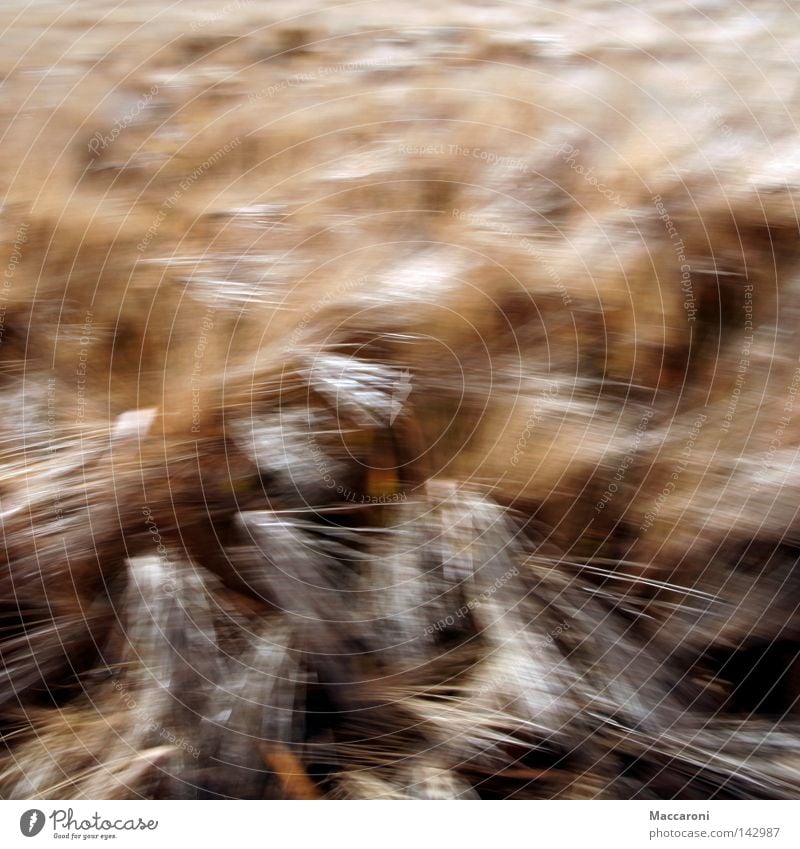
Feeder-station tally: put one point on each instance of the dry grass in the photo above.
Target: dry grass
(465, 349)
